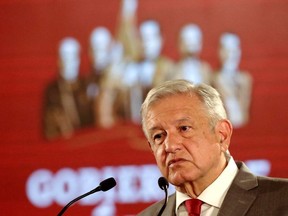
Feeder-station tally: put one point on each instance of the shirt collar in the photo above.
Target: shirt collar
(214, 194)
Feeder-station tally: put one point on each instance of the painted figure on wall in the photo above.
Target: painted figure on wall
(234, 85)
(66, 105)
(190, 66)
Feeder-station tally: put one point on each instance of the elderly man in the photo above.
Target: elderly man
(188, 131)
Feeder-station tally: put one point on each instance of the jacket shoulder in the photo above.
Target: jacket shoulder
(271, 185)
(154, 209)
(151, 210)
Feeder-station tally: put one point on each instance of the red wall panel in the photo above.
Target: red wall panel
(30, 33)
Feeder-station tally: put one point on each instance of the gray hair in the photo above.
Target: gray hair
(208, 95)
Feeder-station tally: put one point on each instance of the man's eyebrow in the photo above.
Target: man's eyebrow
(154, 128)
(176, 121)
(183, 120)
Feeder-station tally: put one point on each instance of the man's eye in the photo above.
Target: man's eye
(157, 137)
(184, 128)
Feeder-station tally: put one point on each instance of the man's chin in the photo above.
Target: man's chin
(176, 179)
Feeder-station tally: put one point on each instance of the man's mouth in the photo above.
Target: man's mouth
(175, 161)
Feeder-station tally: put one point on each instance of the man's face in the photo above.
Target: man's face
(69, 66)
(185, 146)
(101, 44)
(151, 40)
(191, 40)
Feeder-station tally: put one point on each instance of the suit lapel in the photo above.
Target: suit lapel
(170, 208)
(240, 195)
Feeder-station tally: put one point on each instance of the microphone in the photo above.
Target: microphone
(105, 185)
(163, 184)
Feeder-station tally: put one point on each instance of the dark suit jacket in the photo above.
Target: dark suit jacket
(248, 195)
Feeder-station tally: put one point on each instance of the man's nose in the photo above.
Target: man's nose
(172, 142)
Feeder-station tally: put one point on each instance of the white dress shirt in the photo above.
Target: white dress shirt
(213, 195)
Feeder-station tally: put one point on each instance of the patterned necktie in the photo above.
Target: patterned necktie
(193, 207)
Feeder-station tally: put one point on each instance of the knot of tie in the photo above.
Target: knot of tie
(193, 207)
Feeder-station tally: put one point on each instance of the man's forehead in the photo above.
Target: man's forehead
(173, 103)
(173, 115)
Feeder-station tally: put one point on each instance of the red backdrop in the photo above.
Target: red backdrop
(30, 32)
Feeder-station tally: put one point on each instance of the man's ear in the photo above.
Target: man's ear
(224, 131)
